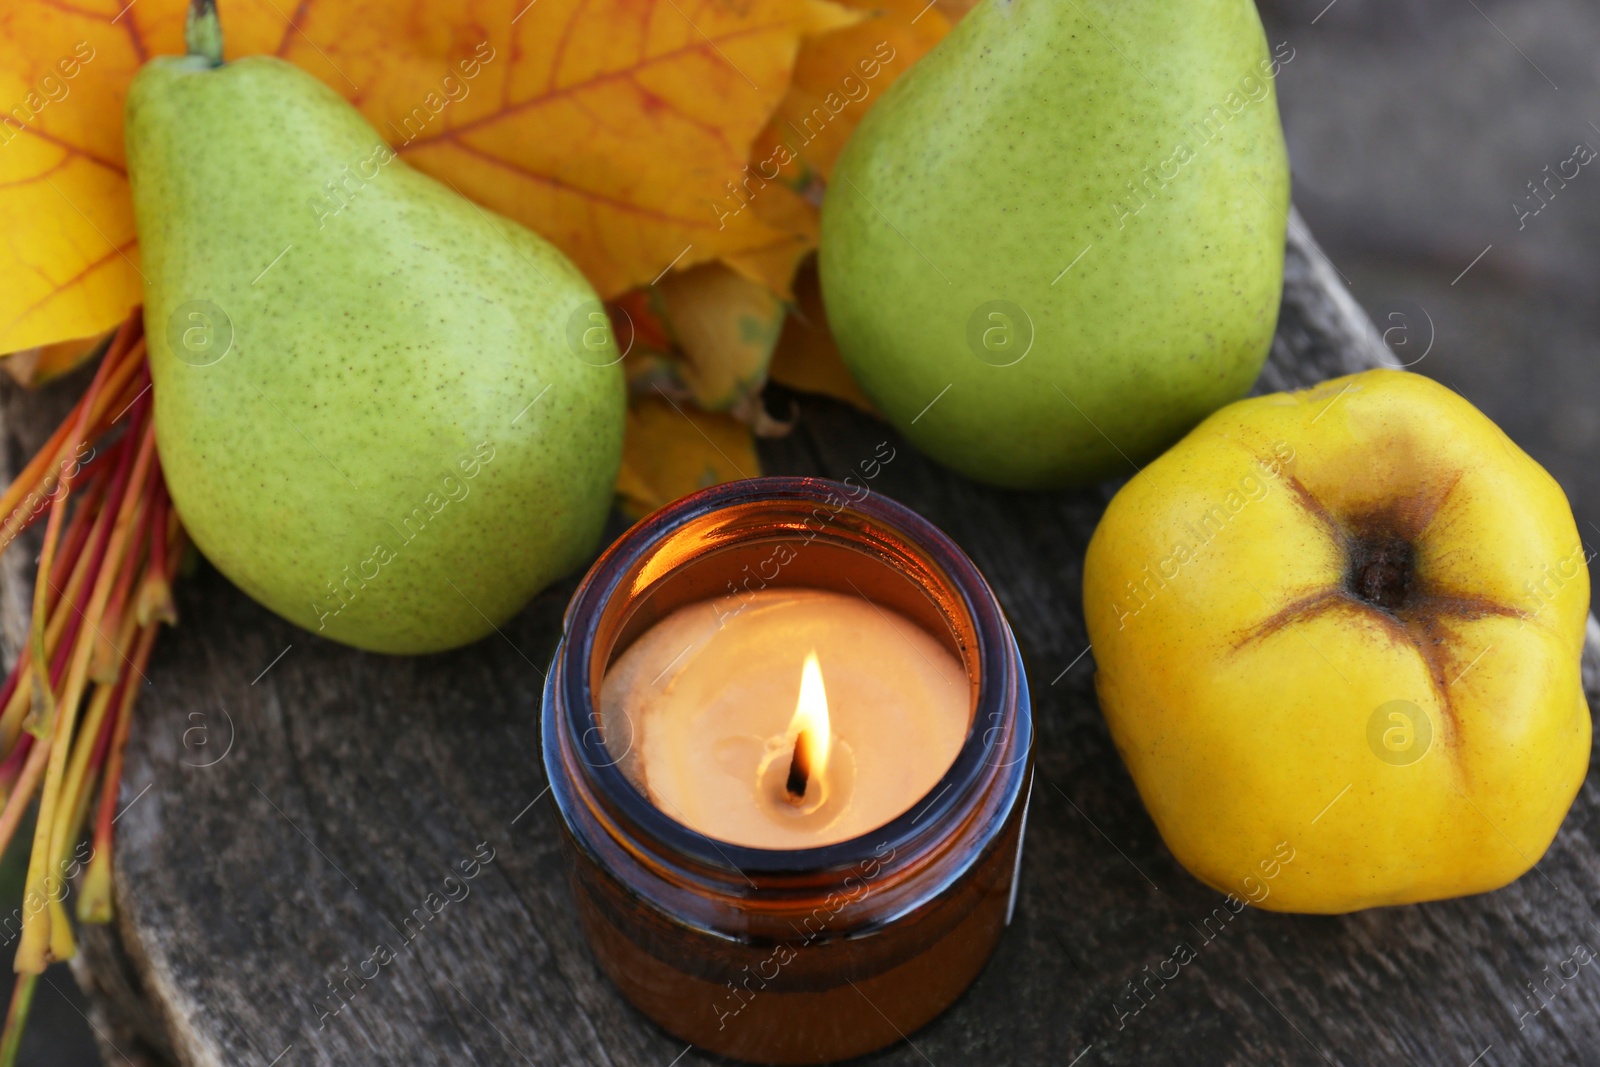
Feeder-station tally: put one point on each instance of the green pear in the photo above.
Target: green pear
(384, 412)
(1056, 244)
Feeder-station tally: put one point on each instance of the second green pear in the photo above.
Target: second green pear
(1057, 243)
(385, 413)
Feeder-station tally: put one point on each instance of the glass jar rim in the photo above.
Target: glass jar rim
(995, 702)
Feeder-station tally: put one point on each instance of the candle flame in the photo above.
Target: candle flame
(809, 727)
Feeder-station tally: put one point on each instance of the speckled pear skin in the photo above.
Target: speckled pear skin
(1020, 143)
(367, 405)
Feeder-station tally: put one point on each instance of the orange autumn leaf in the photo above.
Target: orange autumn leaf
(671, 450)
(837, 79)
(609, 126)
(68, 262)
(617, 125)
(806, 357)
(955, 9)
(725, 326)
(34, 367)
(795, 222)
(720, 356)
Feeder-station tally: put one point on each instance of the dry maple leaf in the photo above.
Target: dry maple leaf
(806, 357)
(724, 334)
(837, 79)
(33, 367)
(612, 127)
(671, 450)
(68, 264)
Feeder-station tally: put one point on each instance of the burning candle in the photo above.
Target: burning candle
(805, 718)
(788, 734)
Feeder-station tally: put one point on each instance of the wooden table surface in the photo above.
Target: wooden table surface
(290, 801)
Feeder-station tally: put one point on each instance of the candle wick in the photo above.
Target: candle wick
(799, 768)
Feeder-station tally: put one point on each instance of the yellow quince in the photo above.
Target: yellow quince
(1345, 623)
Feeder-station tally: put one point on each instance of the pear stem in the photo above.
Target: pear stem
(202, 32)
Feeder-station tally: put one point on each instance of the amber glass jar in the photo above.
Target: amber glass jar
(809, 955)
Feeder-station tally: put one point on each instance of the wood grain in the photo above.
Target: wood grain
(343, 787)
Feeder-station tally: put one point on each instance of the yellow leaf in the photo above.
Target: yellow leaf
(612, 127)
(670, 450)
(837, 79)
(68, 264)
(726, 326)
(954, 10)
(792, 217)
(36, 366)
(826, 16)
(609, 126)
(806, 357)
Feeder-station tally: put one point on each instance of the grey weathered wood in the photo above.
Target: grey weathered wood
(354, 782)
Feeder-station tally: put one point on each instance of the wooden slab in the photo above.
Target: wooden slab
(290, 802)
